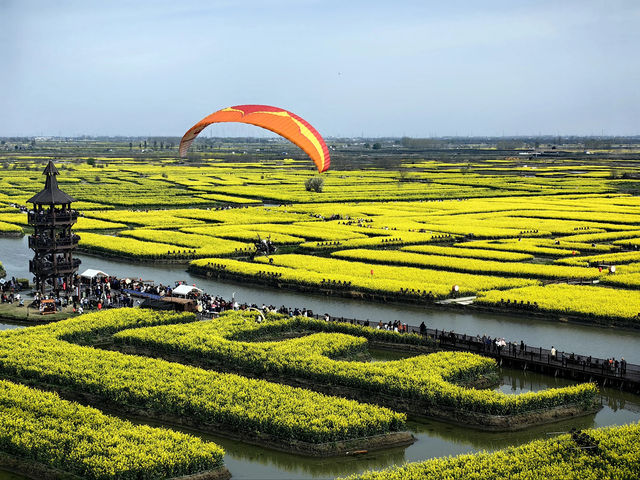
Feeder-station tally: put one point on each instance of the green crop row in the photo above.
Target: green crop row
(431, 380)
(43, 428)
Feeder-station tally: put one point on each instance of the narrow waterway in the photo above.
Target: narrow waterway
(434, 438)
(580, 339)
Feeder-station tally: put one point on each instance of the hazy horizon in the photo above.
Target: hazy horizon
(352, 69)
(273, 137)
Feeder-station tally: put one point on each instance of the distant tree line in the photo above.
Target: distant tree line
(409, 142)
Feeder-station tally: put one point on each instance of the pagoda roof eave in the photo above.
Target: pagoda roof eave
(51, 197)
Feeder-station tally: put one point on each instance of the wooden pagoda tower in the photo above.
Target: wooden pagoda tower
(53, 265)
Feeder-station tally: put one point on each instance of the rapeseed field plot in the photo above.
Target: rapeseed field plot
(243, 233)
(230, 403)
(343, 276)
(86, 223)
(595, 453)
(624, 279)
(218, 197)
(146, 218)
(526, 270)
(81, 440)
(602, 304)
(83, 223)
(238, 216)
(127, 247)
(397, 278)
(519, 222)
(10, 228)
(603, 237)
(437, 380)
(202, 245)
(544, 247)
(423, 226)
(15, 218)
(469, 253)
(602, 259)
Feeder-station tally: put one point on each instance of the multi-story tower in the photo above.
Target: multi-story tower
(53, 265)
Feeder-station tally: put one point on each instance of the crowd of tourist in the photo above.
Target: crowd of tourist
(10, 291)
(102, 292)
(497, 346)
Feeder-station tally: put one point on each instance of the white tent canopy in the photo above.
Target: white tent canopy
(91, 273)
(185, 290)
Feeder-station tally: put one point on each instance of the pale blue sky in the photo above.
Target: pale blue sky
(349, 67)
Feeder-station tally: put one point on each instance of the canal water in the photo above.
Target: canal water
(580, 339)
(434, 439)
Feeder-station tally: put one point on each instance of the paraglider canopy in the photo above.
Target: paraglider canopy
(280, 121)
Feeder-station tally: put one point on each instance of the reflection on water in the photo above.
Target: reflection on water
(434, 439)
(252, 462)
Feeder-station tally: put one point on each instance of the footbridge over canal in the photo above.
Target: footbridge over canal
(581, 367)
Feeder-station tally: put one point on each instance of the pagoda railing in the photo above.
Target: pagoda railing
(55, 218)
(40, 242)
(46, 268)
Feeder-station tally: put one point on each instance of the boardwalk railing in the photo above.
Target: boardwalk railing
(624, 375)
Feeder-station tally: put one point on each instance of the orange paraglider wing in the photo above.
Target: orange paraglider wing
(284, 123)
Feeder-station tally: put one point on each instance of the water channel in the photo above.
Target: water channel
(580, 339)
(434, 438)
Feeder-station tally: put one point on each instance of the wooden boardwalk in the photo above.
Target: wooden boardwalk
(581, 367)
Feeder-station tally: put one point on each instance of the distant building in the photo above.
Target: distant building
(53, 265)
